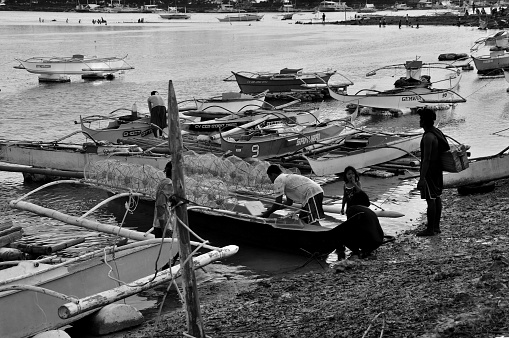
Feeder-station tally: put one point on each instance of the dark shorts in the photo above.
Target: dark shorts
(313, 209)
(158, 117)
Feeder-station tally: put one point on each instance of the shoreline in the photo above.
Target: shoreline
(454, 284)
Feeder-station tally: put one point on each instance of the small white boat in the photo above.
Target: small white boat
(36, 290)
(333, 6)
(112, 128)
(241, 17)
(480, 170)
(498, 58)
(56, 68)
(362, 150)
(174, 14)
(412, 91)
(228, 103)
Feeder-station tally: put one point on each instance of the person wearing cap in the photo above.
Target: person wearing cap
(297, 188)
(163, 217)
(431, 182)
(157, 110)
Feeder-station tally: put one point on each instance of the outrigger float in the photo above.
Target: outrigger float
(58, 69)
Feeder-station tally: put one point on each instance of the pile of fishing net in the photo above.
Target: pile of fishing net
(209, 180)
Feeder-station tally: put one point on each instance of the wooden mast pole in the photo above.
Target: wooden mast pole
(192, 304)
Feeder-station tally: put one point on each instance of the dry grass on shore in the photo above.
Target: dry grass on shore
(451, 285)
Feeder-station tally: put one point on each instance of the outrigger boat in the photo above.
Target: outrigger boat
(412, 91)
(480, 170)
(112, 128)
(223, 105)
(287, 80)
(174, 14)
(363, 149)
(241, 17)
(272, 142)
(492, 64)
(56, 69)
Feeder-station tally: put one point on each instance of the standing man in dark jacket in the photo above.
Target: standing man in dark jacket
(157, 113)
(431, 183)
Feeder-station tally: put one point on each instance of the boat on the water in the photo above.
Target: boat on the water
(480, 170)
(111, 128)
(174, 14)
(498, 58)
(36, 290)
(226, 104)
(333, 6)
(363, 149)
(264, 143)
(287, 80)
(57, 68)
(412, 91)
(241, 17)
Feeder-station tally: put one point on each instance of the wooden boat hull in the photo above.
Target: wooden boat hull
(232, 122)
(116, 128)
(480, 170)
(30, 313)
(489, 65)
(280, 83)
(273, 145)
(273, 233)
(175, 16)
(71, 157)
(379, 149)
(405, 99)
(73, 65)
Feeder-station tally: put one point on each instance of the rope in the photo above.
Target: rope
(371, 324)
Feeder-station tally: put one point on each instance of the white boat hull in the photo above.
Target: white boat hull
(112, 133)
(74, 66)
(480, 170)
(26, 313)
(382, 152)
(411, 98)
(73, 158)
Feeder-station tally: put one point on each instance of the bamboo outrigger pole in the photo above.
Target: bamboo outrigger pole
(192, 303)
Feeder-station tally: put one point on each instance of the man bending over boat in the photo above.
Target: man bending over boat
(163, 218)
(157, 110)
(297, 188)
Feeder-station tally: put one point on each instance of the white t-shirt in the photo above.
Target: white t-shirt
(296, 187)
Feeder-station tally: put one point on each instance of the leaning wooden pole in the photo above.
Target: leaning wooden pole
(192, 303)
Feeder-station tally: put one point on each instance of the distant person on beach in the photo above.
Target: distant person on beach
(362, 233)
(163, 220)
(157, 110)
(431, 182)
(323, 17)
(351, 187)
(296, 188)
(407, 21)
(399, 23)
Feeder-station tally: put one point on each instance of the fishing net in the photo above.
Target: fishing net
(209, 180)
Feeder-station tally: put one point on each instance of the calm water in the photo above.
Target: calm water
(197, 55)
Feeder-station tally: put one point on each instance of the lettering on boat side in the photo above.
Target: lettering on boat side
(214, 126)
(146, 132)
(411, 98)
(42, 66)
(258, 81)
(131, 133)
(309, 139)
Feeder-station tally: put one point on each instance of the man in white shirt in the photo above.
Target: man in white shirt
(157, 113)
(297, 188)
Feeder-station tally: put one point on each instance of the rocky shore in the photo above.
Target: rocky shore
(450, 285)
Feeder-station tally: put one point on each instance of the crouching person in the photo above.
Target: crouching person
(361, 233)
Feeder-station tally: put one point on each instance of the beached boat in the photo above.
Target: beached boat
(287, 80)
(36, 290)
(112, 128)
(333, 6)
(241, 17)
(412, 91)
(363, 149)
(498, 58)
(174, 14)
(276, 142)
(69, 159)
(480, 170)
(368, 8)
(259, 117)
(54, 68)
